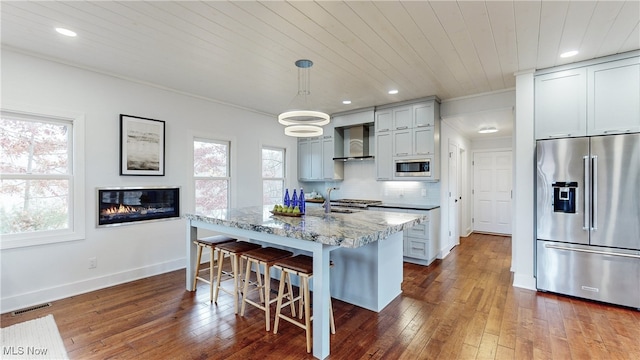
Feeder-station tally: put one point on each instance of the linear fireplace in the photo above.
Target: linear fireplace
(124, 205)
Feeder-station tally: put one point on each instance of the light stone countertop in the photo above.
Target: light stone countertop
(346, 230)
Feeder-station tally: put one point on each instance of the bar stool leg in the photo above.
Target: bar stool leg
(220, 262)
(234, 266)
(307, 311)
(195, 275)
(267, 294)
(281, 295)
(246, 285)
(211, 262)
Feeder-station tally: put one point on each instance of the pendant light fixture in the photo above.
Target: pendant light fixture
(303, 123)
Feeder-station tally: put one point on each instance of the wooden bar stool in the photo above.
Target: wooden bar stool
(209, 243)
(266, 257)
(302, 266)
(233, 251)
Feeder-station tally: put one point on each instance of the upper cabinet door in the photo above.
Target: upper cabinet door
(423, 141)
(384, 159)
(402, 118)
(315, 151)
(614, 97)
(423, 115)
(384, 120)
(304, 160)
(561, 104)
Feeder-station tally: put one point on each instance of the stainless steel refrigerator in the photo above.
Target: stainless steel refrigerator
(588, 217)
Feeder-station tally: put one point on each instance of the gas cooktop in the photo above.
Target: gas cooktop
(360, 203)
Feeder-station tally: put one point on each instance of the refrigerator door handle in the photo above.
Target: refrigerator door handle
(585, 167)
(594, 192)
(633, 256)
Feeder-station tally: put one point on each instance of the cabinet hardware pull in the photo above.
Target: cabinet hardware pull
(594, 191)
(402, 127)
(559, 135)
(383, 130)
(423, 125)
(613, 131)
(399, 154)
(548, 246)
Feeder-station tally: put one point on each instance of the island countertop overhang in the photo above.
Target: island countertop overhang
(346, 230)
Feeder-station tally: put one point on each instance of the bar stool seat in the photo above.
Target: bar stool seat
(233, 251)
(302, 266)
(266, 257)
(208, 243)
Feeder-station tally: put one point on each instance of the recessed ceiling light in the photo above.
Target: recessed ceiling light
(569, 54)
(393, 92)
(346, 102)
(487, 130)
(66, 32)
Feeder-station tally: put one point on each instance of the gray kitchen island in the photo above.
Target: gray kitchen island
(366, 248)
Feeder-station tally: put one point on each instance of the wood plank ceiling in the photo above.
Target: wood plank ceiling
(243, 53)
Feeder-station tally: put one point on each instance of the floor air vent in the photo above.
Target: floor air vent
(32, 308)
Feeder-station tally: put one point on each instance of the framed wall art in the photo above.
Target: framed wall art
(141, 146)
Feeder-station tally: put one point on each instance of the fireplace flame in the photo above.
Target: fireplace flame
(122, 209)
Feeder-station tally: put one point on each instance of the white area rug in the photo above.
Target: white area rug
(33, 339)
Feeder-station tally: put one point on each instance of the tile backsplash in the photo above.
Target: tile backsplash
(360, 183)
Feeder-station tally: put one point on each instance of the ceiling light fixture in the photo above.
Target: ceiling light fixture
(569, 54)
(303, 130)
(346, 102)
(66, 32)
(303, 123)
(393, 92)
(488, 130)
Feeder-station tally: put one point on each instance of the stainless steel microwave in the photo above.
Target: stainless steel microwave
(413, 167)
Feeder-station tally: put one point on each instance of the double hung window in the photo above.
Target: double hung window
(211, 174)
(273, 175)
(42, 178)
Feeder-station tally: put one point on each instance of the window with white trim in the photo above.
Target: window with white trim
(41, 167)
(211, 174)
(273, 175)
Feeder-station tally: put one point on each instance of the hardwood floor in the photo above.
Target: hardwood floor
(462, 307)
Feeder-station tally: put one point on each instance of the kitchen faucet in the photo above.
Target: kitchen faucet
(327, 201)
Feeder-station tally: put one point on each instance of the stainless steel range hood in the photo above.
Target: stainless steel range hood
(357, 144)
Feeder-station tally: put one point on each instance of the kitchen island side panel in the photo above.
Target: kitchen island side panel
(369, 276)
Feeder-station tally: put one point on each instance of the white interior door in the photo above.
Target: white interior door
(492, 192)
(454, 212)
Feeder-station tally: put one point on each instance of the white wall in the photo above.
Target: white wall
(449, 135)
(359, 183)
(44, 273)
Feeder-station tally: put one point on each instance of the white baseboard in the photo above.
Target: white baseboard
(21, 301)
(524, 281)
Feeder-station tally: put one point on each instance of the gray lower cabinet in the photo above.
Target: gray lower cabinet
(421, 241)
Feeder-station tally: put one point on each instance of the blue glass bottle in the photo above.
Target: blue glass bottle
(294, 199)
(286, 200)
(301, 201)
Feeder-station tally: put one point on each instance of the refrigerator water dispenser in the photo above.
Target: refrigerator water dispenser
(564, 197)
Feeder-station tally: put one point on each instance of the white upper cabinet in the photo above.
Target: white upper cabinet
(384, 120)
(597, 97)
(402, 144)
(384, 158)
(423, 141)
(414, 129)
(424, 115)
(402, 118)
(561, 104)
(304, 160)
(315, 157)
(613, 97)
